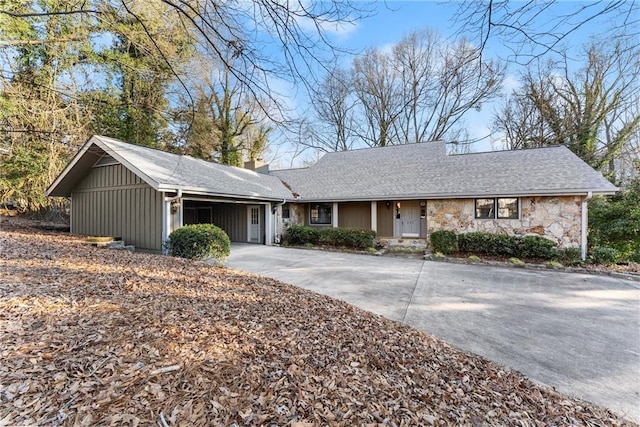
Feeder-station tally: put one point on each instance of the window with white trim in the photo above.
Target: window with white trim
(320, 214)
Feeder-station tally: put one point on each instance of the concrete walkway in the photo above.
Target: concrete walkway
(578, 333)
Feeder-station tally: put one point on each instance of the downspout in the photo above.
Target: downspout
(177, 196)
(583, 249)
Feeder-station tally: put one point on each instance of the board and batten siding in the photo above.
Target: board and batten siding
(355, 215)
(113, 201)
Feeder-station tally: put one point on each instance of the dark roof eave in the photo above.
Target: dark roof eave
(186, 191)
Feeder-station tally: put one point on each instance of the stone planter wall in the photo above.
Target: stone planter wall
(557, 218)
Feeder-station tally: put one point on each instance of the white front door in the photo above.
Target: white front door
(407, 222)
(253, 214)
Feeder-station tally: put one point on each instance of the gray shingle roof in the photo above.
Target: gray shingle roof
(169, 172)
(424, 170)
(421, 170)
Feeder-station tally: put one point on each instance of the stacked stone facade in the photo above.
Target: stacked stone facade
(557, 218)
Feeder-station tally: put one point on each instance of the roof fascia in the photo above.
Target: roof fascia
(122, 160)
(203, 192)
(461, 196)
(70, 166)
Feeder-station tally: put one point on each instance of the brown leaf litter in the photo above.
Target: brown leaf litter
(92, 336)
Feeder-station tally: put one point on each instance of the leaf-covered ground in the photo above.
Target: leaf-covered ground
(93, 336)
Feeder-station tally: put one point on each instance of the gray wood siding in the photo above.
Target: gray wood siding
(355, 215)
(113, 201)
(232, 219)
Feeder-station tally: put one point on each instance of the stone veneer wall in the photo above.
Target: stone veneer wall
(296, 216)
(557, 218)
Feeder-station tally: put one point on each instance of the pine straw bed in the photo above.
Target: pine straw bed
(102, 337)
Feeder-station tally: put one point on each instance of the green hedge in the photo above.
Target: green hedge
(199, 241)
(301, 235)
(444, 241)
(536, 247)
(354, 238)
(495, 244)
(487, 244)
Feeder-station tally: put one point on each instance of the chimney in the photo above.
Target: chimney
(257, 165)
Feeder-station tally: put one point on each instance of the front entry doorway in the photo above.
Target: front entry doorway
(407, 219)
(254, 224)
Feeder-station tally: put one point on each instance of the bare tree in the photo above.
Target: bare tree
(532, 29)
(593, 111)
(332, 103)
(420, 90)
(378, 90)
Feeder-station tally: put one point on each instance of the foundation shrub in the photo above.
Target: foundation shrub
(301, 235)
(569, 256)
(444, 241)
(353, 238)
(505, 245)
(199, 241)
(536, 247)
(487, 244)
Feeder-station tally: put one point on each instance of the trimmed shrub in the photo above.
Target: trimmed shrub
(301, 235)
(487, 243)
(199, 241)
(354, 238)
(536, 247)
(444, 241)
(604, 255)
(505, 245)
(569, 255)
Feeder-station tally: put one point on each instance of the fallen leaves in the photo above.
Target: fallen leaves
(101, 337)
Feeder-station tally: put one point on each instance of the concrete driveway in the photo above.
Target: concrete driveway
(578, 333)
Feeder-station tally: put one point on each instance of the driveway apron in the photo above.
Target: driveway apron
(578, 333)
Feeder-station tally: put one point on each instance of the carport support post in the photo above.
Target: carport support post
(268, 224)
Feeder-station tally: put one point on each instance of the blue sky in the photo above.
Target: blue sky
(395, 19)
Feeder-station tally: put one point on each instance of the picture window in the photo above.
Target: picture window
(320, 214)
(497, 208)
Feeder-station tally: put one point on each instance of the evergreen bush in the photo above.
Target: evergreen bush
(199, 241)
(301, 235)
(444, 241)
(354, 238)
(536, 247)
(569, 256)
(604, 255)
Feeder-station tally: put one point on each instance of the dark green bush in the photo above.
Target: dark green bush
(444, 241)
(569, 255)
(505, 245)
(604, 255)
(301, 235)
(354, 238)
(199, 241)
(614, 222)
(536, 247)
(487, 243)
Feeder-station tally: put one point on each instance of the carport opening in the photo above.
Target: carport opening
(233, 218)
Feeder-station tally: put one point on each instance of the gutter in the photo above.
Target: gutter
(177, 196)
(585, 218)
